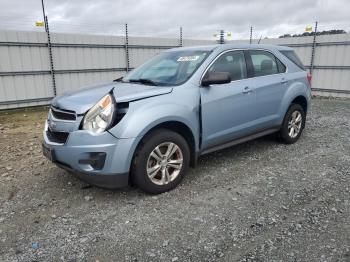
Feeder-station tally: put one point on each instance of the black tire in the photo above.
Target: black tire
(284, 135)
(139, 175)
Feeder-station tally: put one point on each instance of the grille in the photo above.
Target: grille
(57, 137)
(63, 114)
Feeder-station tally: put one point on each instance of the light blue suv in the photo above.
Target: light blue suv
(150, 126)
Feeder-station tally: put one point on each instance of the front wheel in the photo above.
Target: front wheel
(160, 162)
(293, 124)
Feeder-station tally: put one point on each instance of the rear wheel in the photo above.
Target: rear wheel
(160, 162)
(293, 124)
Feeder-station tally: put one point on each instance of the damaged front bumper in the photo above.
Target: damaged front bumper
(99, 159)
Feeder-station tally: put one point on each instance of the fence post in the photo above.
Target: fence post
(47, 30)
(127, 48)
(251, 35)
(222, 37)
(52, 68)
(181, 40)
(313, 50)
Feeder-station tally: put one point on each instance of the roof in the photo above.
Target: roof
(223, 47)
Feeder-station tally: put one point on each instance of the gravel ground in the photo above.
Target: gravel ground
(259, 201)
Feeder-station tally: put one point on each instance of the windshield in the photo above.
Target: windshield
(168, 68)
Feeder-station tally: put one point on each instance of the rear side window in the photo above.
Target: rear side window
(292, 56)
(232, 62)
(264, 63)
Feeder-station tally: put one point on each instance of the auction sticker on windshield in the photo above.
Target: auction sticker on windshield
(188, 58)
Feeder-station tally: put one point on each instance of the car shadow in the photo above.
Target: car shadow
(219, 158)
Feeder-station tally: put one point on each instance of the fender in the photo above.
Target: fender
(294, 90)
(143, 115)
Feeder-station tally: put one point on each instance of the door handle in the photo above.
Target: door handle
(283, 81)
(246, 90)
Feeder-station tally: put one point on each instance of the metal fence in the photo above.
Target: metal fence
(33, 69)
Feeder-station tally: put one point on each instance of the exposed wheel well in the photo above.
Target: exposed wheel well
(184, 131)
(300, 100)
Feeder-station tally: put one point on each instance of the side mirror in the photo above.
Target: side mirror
(212, 78)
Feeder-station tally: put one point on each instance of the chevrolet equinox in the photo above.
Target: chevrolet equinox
(148, 127)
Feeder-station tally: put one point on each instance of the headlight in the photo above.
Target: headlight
(99, 118)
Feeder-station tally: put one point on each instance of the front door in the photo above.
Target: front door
(227, 109)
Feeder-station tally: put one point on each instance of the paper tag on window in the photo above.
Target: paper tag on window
(188, 58)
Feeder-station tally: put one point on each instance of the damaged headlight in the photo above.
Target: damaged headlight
(100, 117)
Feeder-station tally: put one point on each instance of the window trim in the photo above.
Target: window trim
(249, 63)
(278, 68)
(247, 57)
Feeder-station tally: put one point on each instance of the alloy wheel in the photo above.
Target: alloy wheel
(164, 163)
(294, 124)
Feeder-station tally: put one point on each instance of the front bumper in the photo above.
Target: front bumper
(105, 181)
(99, 159)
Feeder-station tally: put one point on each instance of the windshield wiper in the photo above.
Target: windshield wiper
(120, 79)
(144, 81)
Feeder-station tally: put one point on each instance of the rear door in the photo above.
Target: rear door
(227, 109)
(270, 82)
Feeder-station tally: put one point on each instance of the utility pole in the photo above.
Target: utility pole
(47, 30)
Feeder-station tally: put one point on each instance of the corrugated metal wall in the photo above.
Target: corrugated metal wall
(80, 60)
(18, 58)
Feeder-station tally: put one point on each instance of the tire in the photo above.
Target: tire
(286, 135)
(152, 171)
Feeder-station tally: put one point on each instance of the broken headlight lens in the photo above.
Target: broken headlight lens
(100, 117)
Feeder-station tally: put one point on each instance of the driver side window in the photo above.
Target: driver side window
(232, 62)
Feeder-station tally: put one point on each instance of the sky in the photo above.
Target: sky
(198, 18)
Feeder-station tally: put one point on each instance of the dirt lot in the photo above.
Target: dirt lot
(257, 201)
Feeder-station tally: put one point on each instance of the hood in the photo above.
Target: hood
(82, 100)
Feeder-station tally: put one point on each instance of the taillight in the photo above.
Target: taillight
(309, 78)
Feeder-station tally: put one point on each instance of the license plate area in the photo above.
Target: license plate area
(48, 153)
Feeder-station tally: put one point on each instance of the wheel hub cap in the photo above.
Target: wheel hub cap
(294, 124)
(164, 163)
